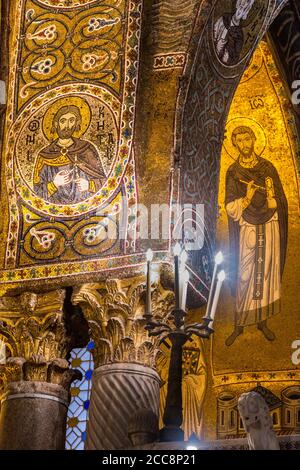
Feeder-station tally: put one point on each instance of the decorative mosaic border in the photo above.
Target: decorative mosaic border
(169, 61)
(132, 198)
(14, 277)
(256, 376)
(68, 4)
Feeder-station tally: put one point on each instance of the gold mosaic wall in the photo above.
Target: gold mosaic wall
(261, 103)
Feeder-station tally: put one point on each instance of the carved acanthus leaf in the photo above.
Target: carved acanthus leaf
(33, 324)
(115, 312)
(37, 369)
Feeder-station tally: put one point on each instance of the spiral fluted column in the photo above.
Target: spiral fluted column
(125, 380)
(118, 392)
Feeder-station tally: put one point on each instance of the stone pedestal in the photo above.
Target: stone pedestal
(119, 391)
(33, 416)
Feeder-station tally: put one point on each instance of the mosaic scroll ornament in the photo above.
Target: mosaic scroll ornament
(67, 4)
(50, 177)
(70, 166)
(70, 44)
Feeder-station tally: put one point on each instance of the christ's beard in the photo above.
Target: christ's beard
(65, 133)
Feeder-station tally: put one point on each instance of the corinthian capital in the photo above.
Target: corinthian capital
(114, 311)
(33, 325)
(36, 369)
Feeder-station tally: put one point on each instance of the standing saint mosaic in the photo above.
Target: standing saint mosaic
(229, 34)
(258, 228)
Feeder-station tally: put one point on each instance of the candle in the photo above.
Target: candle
(149, 256)
(177, 250)
(2, 352)
(183, 259)
(218, 260)
(221, 277)
(186, 278)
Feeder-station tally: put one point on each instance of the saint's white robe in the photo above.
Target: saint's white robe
(250, 310)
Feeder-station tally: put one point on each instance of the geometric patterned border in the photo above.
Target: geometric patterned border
(169, 61)
(261, 376)
(114, 263)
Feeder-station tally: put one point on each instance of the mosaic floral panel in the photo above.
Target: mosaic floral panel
(70, 170)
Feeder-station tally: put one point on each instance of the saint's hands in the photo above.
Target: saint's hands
(62, 178)
(272, 203)
(251, 190)
(83, 185)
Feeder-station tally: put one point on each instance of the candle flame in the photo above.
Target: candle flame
(177, 249)
(221, 276)
(149, 255)
(219, 258)
(184, 257)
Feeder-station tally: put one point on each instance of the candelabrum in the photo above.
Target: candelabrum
(178, 334)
